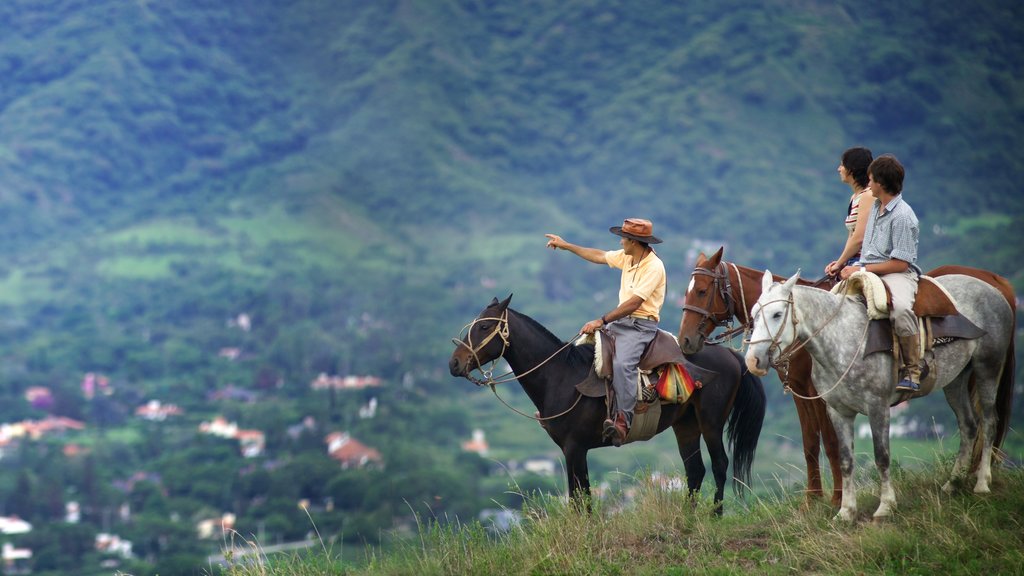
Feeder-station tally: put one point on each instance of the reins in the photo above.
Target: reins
(501, 329)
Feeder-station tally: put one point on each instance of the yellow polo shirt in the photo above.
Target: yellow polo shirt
(645, 279)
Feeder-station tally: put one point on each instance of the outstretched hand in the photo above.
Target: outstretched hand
(555, 241)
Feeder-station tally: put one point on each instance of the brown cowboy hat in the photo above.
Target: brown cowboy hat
(636, 229)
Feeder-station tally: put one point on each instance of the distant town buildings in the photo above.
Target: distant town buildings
(14, 525)
(36, 429)
(324, 382)
(231, 353)
(16, 560)
(40, 397)
(351, 453)
(251, 442)
(478, 444)
(215, 528)
(243, 322)
(370, 410)
(93, 384)
(113, 544)
(155, 411)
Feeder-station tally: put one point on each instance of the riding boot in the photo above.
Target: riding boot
(617, 429)
(910, 350)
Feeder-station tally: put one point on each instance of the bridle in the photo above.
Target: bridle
(783, 356)
(501, 330)
(721, 286)
(781, 363)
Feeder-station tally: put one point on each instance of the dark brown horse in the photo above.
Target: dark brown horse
(549, 369)
(720, 291)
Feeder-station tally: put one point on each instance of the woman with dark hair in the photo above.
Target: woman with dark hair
(853, 170)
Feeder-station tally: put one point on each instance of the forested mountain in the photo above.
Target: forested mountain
(360, 178)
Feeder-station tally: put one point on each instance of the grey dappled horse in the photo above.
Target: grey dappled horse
(831, 326)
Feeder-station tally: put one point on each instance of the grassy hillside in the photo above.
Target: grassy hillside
(654, 531)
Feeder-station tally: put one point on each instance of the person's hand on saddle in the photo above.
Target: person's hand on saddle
(848, 271)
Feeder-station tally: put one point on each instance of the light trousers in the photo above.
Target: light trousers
(903, 287)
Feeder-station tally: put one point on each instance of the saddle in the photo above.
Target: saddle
(938, 317)
(939, 321)
(663, 350)
(660, 354)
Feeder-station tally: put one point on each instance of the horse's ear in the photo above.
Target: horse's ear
(792, 280)
(494, 301)
(716, 258)
(766, 281)
(504, 303)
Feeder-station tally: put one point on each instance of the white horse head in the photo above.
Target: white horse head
(774, 322)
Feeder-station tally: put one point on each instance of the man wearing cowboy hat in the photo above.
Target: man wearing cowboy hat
(634, 322)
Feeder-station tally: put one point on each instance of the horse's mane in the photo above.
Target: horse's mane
(582, 355)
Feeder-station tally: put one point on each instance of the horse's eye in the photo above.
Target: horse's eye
(777, 316)
(701, 292)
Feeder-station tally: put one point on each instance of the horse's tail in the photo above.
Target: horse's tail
(744, 427)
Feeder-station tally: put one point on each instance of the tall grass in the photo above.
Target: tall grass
(654, 531)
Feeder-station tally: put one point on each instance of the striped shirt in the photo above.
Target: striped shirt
(891, 232)
(851, 214)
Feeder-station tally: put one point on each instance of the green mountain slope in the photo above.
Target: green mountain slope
(361, 178)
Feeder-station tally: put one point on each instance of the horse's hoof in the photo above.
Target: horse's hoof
(880, 519)
(982, 489)
(947, 488)
(845, 515)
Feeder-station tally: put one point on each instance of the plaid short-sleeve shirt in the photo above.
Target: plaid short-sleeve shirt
(892, 232)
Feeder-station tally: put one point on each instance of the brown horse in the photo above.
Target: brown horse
(721, 290)
(718, 292)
